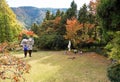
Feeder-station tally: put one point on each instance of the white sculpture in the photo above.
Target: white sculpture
(69, 46)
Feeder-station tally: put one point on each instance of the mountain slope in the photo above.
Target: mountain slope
(28, 15)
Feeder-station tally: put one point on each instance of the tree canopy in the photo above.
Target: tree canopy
(9, 26)
(109, 14)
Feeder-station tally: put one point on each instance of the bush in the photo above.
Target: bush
(51, 42)
(114, 72)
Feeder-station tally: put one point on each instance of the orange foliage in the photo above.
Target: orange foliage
(30, 33)
(57, 20)
(72, 27)
(3, 46)
(0, 49)
(26, 32)
(89, 25)
(12, 67)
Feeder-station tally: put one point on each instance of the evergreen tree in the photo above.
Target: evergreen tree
(62, 13)
(72, 11)
(109, 14)
(35, 28)
(83, 18)
(83, 14)
(58, 13)
(48, 15)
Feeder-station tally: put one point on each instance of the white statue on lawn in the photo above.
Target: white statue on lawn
(69, 46)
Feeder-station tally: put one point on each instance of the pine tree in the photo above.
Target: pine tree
(83, 14)
(58, 13)
(72, 11)
(48, 15)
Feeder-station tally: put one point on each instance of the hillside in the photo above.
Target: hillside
(28, 15)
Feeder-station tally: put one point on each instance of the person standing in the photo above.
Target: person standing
(24, 44)
(30, 46)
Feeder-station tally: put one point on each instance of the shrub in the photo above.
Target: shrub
(114, 72)
(51, 42)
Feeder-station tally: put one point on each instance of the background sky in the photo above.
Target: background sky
(46, 3)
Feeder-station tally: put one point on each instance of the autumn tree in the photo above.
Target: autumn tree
(71, 30)
(76, 34)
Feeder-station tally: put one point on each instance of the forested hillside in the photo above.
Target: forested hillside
(28, 15)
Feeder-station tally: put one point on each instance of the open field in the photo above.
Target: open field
(56, 66)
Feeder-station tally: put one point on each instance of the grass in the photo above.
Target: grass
(56, 66)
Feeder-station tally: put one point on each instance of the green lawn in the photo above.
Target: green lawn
(56, 66)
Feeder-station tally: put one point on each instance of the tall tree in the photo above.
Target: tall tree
(35, 28)
(75, 34)
(58, 13)
(83, 18)
(71, 31)
(72, 11)
(93, 18)
(108, 11)
(48, 15)
(83, 14)
(109, 14)
(9, 25)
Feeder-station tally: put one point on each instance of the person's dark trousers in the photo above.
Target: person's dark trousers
(30, 52)
(25, 53)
